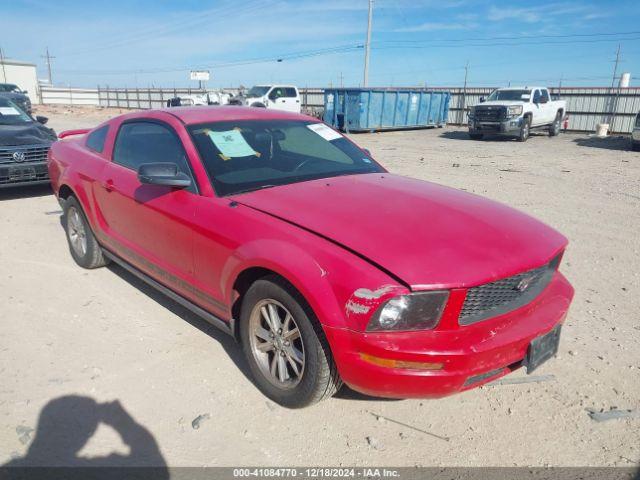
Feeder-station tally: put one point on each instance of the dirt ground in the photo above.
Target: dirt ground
(103, 335)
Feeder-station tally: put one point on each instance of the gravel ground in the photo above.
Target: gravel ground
(103, 335)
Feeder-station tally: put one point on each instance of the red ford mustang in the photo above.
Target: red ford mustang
(326, 267)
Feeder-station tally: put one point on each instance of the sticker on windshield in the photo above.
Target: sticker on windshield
(324, 131)
(231, 144)
(9, 111)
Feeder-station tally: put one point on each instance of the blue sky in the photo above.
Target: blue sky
(156, 42)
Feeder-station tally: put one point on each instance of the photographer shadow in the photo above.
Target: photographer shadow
(67, 423)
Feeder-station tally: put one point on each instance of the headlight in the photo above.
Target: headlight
(417, 311)
(515, 110)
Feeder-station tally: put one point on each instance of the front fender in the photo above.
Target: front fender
(342, 289)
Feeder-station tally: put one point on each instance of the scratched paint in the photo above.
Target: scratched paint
(364, 299)
(373, 294)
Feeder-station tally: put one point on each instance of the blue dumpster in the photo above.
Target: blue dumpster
(370, 109)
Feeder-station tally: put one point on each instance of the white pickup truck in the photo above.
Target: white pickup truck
(515, 111)
(278, 97)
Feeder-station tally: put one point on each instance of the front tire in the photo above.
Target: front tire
(83, 246)
(285, 346)
(525, 130)
(554, 128)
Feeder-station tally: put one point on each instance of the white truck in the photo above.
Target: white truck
(279, 97)
(515, 111)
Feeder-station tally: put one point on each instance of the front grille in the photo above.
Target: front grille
(502, 296)
(32, 153)
(490, 114)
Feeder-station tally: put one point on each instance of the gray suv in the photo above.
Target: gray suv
(16, 95)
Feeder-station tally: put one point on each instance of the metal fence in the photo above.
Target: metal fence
(68, 96)
(586, 106)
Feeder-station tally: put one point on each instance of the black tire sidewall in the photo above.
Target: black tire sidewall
(84, 261)
(554, 129)
(303, 393)
(525, 122)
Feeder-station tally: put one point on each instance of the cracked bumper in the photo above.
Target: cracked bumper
(470, 355)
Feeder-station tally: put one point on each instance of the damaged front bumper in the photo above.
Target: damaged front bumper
(437, 363)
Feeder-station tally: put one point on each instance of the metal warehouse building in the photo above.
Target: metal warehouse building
(21, 74)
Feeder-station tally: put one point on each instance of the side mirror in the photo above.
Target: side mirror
(482, 99)
(41, 119)
(165, 174)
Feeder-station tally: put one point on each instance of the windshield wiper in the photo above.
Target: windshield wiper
(253, 189)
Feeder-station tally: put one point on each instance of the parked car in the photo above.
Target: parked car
(277, 97)
(635, 134)
(515, 111)
(208, 98)
(327, 268)
(24, 143)
(16, 95)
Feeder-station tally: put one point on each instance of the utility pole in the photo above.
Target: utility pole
(464, 92)
(367, 47)
(612, 115)
(4, 72)
(341, 80)
(48, 60)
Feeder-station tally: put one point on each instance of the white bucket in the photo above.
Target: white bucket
(602, 129)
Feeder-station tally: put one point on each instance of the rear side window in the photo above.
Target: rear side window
(95, 140)
(147, 142)
(290, 93)
(545, 95)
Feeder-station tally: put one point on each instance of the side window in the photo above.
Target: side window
(545, 95)
(275, 94)
(147, 142)
(95, 140)
(290, 92)
(536, 96)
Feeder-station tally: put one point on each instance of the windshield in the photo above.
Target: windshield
(248, 155)
(508, 95)
(10, 113)
(257, 91)
(9, 87)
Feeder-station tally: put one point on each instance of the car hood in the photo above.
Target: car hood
(500, 103)
(423, 233)
(28, 134)
(14, 96)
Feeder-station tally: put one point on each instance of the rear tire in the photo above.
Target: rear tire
(285, 346)
(554, 128)
(475, 136)
(83, 245)
(525, 130)
(635, 146)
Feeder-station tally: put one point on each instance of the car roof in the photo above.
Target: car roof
(204, 114)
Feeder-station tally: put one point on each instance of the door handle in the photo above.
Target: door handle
(108, 185)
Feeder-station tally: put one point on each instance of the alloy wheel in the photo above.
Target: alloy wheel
(276, 343)
(77, 232)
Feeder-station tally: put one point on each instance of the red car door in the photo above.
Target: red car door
(148, 225)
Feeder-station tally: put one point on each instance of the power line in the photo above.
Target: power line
(518, 37)
(291, 56)
(190, 22)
